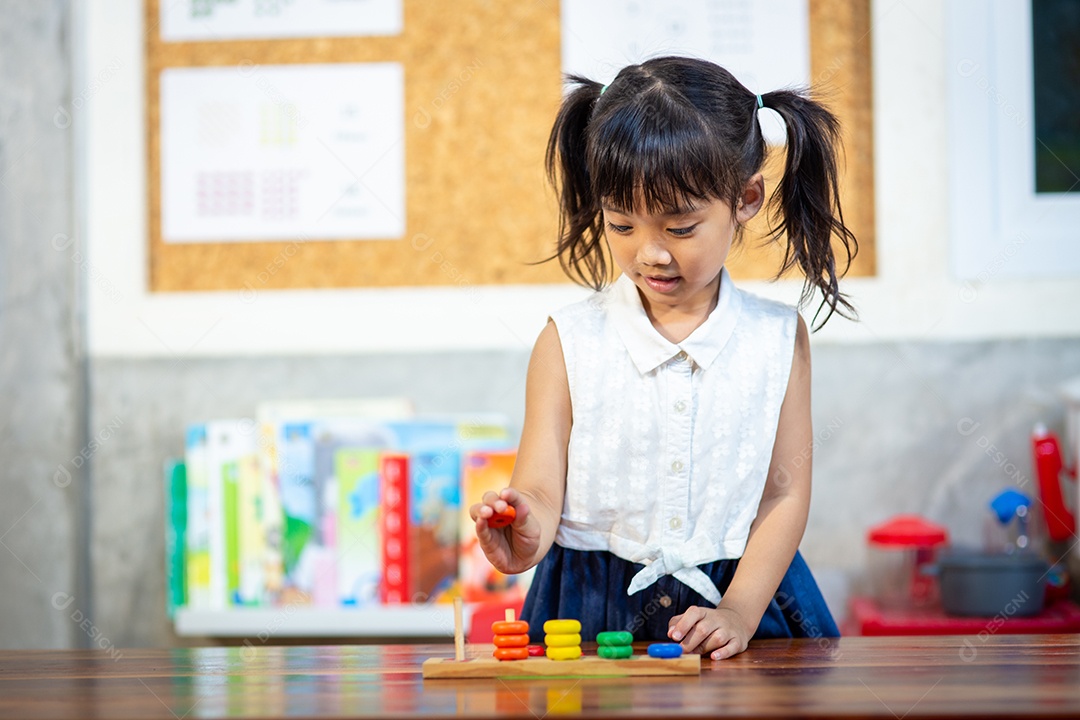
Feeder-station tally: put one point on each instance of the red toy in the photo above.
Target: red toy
(501, 520)
(511, 638)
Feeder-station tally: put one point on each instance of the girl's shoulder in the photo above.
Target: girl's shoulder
(761, 306)
(594, 306)
(761, 318)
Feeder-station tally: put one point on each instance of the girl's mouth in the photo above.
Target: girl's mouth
(661, 284)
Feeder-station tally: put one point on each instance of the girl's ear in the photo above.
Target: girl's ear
(751, 199)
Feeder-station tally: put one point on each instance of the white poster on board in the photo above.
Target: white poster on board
(183, 20)
(765, 45)
(282, 152)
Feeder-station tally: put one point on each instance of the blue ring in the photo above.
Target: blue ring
(666, 651)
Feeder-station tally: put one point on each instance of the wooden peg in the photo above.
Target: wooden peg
(459, 631)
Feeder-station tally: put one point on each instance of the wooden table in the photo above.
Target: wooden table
(972, 676)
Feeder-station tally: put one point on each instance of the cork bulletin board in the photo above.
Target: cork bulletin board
(482, 86)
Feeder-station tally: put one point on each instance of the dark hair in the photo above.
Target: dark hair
(675, 129)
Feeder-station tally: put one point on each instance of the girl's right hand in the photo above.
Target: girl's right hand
(510, 549)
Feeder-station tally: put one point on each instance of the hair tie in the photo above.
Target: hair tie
(760, 102)
(603, 89)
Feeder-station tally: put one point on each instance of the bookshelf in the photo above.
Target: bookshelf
(300, 536)
(272, 622)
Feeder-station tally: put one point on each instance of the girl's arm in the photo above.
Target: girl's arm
(775, 534)
(539, 481)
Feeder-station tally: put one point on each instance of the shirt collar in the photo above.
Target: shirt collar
(649, 349)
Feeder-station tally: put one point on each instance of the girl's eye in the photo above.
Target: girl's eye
(680, 232)
(621, 229)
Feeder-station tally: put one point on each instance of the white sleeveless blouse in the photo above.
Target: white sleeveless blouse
(671, 444)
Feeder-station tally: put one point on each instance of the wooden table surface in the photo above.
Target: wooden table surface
(973, 676)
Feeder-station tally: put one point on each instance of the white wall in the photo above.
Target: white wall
(913, 296)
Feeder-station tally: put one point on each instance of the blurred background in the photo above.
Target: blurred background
(207, 208)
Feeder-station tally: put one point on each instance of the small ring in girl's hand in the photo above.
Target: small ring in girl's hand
(501, 520)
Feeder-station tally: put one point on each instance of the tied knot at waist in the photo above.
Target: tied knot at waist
(673, 557)
(682, 562)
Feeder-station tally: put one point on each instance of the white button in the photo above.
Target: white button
(676, 466)
(675, 523)
(680, 406)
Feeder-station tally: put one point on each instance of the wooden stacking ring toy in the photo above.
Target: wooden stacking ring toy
(511, 641)
(562, 640)
(564, 653)
(511, 653)
(562, 627)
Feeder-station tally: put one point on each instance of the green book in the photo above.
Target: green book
(230, 473)
(175, 534)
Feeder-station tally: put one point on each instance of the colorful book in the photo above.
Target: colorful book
(434, 506)
(393, 528)
(358, 561)
(420, 504)
(429, 463)
(450, 433)
(230, 482)
(291, 509)
(228, 441)
(296, 466)
(252, 582)
(197, 539)
(175, 534)
(271, 518)
(485, 470)
(333, 517)
(299, 464)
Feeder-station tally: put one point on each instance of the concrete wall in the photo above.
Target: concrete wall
(886, 422)
(40, 377)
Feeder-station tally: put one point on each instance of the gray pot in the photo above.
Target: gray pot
(982, 584)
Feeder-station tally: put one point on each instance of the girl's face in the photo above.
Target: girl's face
(675, 258)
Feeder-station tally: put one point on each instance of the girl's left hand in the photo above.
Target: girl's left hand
(722, 632)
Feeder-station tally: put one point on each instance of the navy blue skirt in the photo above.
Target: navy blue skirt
(591, 586)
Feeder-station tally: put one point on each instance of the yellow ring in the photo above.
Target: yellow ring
(564, 653)
(562, 627)
(562, 640)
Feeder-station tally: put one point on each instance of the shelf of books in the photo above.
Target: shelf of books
(264, 624)
(333, 518)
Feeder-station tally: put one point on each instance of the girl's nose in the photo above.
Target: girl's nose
(652, 252)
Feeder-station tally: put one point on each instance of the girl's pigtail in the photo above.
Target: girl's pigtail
(580, 250)
(809, 200)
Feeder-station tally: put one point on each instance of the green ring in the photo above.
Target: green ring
(615, 638)
(615, 652)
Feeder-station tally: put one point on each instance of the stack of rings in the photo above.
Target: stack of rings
(563, 639)
(511, 639)
(615, 645)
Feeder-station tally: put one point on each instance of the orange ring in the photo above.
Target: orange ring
(510, 641)
(514, 627)
(511, 653)
(501, 520)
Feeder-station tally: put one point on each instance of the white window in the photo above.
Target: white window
(1014, 139)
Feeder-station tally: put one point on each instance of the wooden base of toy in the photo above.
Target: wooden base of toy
(489, 667)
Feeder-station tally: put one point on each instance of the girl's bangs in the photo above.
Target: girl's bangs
(665, 163)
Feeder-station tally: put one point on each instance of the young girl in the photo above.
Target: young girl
(656, 482)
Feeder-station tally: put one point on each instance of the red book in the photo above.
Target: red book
(394, 526)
